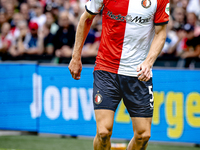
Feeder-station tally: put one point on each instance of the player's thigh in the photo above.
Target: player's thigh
(142, 126)
(104, 121)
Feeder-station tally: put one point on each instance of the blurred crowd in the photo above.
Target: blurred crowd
(183, 33)
(44, 30)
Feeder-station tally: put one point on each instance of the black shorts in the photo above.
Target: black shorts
(110, 88)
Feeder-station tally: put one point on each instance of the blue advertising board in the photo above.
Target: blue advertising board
(16, 94)
(59, 104)
(67, 106)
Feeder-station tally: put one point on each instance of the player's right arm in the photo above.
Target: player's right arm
(83, 28)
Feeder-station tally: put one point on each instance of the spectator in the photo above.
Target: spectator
(24, 10)
(50, 21)
(30, 43)
(19, 44)
(181, 43)
(31, 6)
(76, 12)
(3, 3)
(192, 50)
(173, 4)
(9, 11)
(17, 17)
(192, 19)
(194, 6)
(50, 4)
(55, 11)
(67, 5)
(3, 18)
(5, 39)
(40, 18)
(59, 4)
(178, 16)
(183, 4)
(34, 45)
(65, 36)
(48, 39)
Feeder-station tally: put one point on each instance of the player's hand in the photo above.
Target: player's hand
(144, 72)
(75, 68)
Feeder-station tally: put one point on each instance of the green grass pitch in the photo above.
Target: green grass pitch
(55, 143)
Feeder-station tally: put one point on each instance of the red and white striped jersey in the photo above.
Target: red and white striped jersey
(128, 28)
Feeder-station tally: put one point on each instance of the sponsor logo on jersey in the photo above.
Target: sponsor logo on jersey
(116, 17)
(146, 3)
(128, 18)
(167, 9)
(98, 98)
(140, 20)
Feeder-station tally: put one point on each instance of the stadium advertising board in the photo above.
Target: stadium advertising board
(16, 96)
(60, 104)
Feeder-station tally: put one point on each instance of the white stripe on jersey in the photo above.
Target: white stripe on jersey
(138, 37)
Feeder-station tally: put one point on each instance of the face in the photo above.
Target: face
(64, 20)
(76, 7)
(67, 5)
(10, 10)
(59, 2)
(184, 3)
(31, 3)
(38, 10)
(24, 9)
(34, 31)
(3, 3)
(17, 17)
(190, 35)
(5, 28)
(2, 18)
(191, 19)
(179, 15)
(49, 18)
(23, 29)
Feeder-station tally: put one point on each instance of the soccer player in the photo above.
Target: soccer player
(133, 34)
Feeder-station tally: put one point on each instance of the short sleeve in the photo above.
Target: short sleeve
(162, 12)
(94, 6)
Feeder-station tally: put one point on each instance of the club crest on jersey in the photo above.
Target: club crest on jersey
(98, 98)
(146, 3)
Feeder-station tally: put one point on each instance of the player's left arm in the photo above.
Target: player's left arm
(144, 69)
